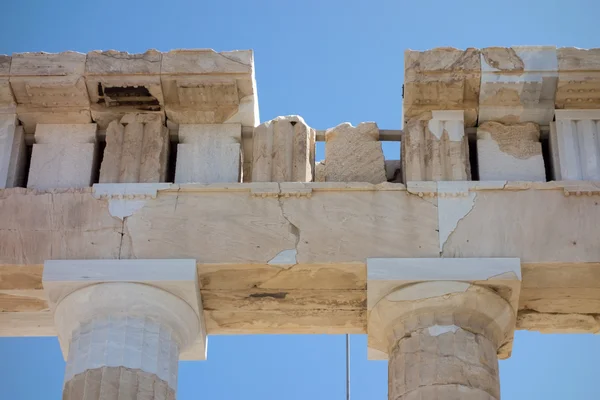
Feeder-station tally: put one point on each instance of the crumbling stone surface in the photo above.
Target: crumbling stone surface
(435, 148)
(115, 383)
(354, 154)
(444, 78)
(510, 152)
(136, 150)
(444, 365)
(284, 151)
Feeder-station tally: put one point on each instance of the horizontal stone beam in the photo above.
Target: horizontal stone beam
(290, 257)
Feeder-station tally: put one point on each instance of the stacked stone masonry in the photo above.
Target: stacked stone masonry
(140, 103)
(271, 241)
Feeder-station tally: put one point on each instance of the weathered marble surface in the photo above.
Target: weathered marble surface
(518, 84)
(575, 145)
(510, 152)
(63, 156)
(209, 153)
(444, 78)
(12, 152)
(120, 83)
(284, 151)
(578, 78)
(50, 88)
(7, 100)
(354, 154)
(288, 264)
(206, 87)
(436, 148)
(136, 150)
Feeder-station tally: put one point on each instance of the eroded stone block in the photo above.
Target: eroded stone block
(206, 87)
(7, 100)
(354, 154)
(209, 153)
(442, 79)
(12, 152)
(578, 78)
(63, 156)
(120, 83)
(510, 152)
(393, 171)
(49, 88)
(284, 151)
(435, 148)
(575, 145)
(136, 150)
(518, 84)
(320, 171)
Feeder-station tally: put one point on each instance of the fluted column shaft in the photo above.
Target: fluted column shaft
(122, 358)
(443, 363)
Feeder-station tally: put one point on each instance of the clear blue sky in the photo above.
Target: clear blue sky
(329, 61)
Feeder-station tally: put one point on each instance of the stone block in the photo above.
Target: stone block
(63, 156)
(578, 78)
(7, 100)
(178, 277)
(320, 171)
(120, 83)
(442, 79)
(408, 294)
(209, 153)
(435, 148)
(206, 87)
(49, 88)
(12, 152)
(354, 154)
(137, 149)
(393, 171)
(510, 152)
(575, 145)
(518, 84)
(283, 151)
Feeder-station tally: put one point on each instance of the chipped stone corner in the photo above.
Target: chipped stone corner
(124, 199)
(455, 202)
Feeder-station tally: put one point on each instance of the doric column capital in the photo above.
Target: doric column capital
(441, 295)
(126, 300)
(164, 291)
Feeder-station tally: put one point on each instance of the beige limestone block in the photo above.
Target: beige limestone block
(514, 220)
(518, 84)
(442, 79)
(7, 100)
(65, 224)
(205, 87)
(209, 153)
(63, 156)
(342, 226)
(446, 363)
(116, 383)
(578, 78)
(435, 148)
(354, 154)
(320, 171)
(510, 152)
(119, 83)
(575, 145)
(12, 152)
(284, 151)
(136, 150)
(47, 86)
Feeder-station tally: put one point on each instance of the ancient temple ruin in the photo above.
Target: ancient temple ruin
(144, 206)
